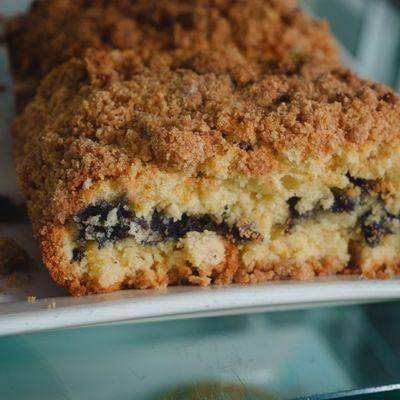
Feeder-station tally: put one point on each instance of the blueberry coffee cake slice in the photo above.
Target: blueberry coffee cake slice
(53, 31)
(200, 169)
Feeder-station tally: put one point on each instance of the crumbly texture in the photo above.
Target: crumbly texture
(52, 32)
(280, 171)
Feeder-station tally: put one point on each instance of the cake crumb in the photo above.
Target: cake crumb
(52, 305)
(31, 299)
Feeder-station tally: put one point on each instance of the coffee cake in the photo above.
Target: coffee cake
(206, 168)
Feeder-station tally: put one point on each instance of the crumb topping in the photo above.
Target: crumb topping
(93, 118)
(52, 32)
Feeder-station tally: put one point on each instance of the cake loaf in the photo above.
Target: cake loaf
(143, 172)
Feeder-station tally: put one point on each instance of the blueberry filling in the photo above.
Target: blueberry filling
(105, 222)
(170, 229)
(374, 229)
(364, 184)
(342, 202)
(292, 203)
(77, 254)
(374, 220)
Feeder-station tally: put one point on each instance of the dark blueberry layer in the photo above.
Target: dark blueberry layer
(292, 203)
(105, 222)
(169, 228)
(341, 203)
(94, 225)
(373, 228)
(364, 184)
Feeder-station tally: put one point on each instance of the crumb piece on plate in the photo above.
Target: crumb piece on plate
(52, 305)
(31, 299)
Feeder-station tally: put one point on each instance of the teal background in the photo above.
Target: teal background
(370, 30)
(287, 354)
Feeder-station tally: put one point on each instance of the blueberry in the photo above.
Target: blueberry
(374, 231)
(292, 203)
(160, 227)
(364, 184)
(158, 224)
(77, 254)
(342, 202)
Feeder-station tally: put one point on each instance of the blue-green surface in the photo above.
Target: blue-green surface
(289, 354)
(391, 392)
(370, 30)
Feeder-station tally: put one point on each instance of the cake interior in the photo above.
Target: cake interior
(157, 220)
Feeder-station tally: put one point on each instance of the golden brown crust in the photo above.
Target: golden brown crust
(54, 31)
(94, 118)
(306, 271)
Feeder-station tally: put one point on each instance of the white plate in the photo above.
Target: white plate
(185, 302)
(17, 315)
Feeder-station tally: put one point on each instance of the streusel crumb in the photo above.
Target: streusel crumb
(52, 32)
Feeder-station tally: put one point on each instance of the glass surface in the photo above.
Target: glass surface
(286, 355)
(370, 30)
